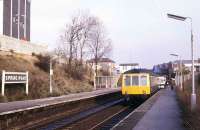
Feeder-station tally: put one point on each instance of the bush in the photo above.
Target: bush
(43, 62)
(33, 54)
(104, 72)
(39, 86)
(190, 118)
(11, 51)
(77, 80)
(78, 72)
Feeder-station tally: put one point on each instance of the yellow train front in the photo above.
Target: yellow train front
(138, 83)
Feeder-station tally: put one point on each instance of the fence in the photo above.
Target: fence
(184, 78)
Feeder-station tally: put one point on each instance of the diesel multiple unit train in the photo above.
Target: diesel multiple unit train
(141, 83)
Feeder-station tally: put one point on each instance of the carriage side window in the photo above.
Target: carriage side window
(128, 81)
(143, 80)
(135, 81)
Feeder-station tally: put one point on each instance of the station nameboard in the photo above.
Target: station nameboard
(14, 78)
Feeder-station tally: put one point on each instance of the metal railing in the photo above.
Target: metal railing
(101, 82)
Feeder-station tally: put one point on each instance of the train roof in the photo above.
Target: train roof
(149, 71)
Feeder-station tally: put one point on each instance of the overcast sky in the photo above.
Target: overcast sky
(139, 29)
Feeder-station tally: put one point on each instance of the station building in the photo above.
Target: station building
(15, 27)
(104, 64)
(16, 19)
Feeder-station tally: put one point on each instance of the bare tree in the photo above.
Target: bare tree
(87, 22)
(70, 39)
(84, 35)
(99, 44)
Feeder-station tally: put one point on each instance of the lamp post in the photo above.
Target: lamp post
(193, 95)
(180, 72)
(51, 73)
(50, 76)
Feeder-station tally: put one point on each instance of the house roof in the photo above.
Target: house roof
(129, 64)
(101, 60)
(186, 61)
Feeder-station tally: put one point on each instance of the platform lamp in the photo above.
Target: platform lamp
(193, 95)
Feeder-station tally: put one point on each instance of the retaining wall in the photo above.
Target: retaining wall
(20, 46)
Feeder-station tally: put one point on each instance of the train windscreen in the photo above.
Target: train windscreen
(128, 81)
(135, 80)
(143, 80)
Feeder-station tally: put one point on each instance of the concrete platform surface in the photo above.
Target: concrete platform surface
(163, 115)
(12, 107)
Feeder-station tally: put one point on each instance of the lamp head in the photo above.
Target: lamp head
(176, 17)
(174, 55)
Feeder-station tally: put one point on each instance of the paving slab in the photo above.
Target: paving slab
(165, 114)
(134, 117)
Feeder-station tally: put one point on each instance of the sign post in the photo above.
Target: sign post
(27, 82)
(14, 78)
(3, 83)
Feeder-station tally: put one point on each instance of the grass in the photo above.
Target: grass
(191, 118)
(38, 79)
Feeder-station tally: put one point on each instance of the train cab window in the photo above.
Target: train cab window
(128, 81)
(143, 80)
(135, 80)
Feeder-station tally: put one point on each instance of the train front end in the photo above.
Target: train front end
(134, 84)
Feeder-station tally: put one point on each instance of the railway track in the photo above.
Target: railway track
(61, 123)
(103, 116)
(106, 119)
(111, 121)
